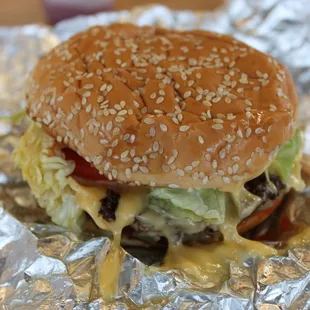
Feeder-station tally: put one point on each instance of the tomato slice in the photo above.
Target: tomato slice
(257, 218)
(83, 169)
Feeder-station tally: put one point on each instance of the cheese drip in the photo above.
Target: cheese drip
(130, 205)
(209, 264)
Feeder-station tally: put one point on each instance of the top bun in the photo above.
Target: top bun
(151, 106)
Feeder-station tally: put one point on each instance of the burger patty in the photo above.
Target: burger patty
(108, 205)
(261, 187)
(204, 234)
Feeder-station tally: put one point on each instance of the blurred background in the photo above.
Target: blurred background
(15, 12)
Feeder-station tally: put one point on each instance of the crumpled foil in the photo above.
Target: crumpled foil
(43, 266)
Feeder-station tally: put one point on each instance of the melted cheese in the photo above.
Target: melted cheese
(301, 239)
(130, 205)
(207, 265)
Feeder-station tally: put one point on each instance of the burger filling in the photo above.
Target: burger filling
(57, 177)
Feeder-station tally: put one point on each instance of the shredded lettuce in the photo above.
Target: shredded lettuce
(286, 157)
(47, 176)
(202, 205)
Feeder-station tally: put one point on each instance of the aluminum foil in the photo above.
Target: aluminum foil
(43, 266)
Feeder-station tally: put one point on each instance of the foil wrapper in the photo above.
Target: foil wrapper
(43, 266)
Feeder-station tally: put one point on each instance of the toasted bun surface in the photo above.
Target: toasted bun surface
(150, 106)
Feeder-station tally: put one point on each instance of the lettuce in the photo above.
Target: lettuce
(47, 176)
(202, 205)
(286, 157)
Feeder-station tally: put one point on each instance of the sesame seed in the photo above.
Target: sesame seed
(171, 160)
(84, 101)
(248, 114)
(208, 157)
(195, 163)
(248, 132)
(243, 79)
(239, 133)
(236, 158)
(214, 164)
(136, 104)
(218, 121)
(187, 94)
(88, 108)
(109, 88)
(114, 173)
(205, 180)
(188, 168)
(184, 128)
(155, 146)
(70, 117)
(272, 108)
(235, 168)
(124, 154)
(165, 168)
(137, 160)
(86, 94)
(258, 131)
(160, 100)
(217, 126)
(226, 180)
(144, 169)
(148, 121)
(201, 140)
(163, 127)
(264, 139)
(248, 162)
(153, 155)
(88, 86)
(222, 153)
(180, 172)
(152, 132)
(128, 172)
(115, 143)
(248, 102)
(195, 176)
(104, 142)
(216, 99)
(230, 116)
(173, 186)
(109, 126)
(119, 119)
(122, 112)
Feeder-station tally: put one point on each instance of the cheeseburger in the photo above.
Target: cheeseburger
(162, 132)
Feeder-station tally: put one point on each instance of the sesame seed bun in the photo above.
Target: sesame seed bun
(151, 106)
